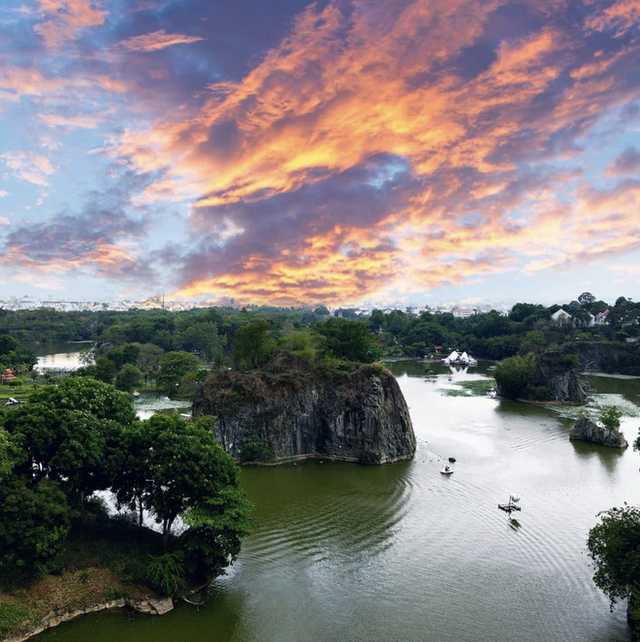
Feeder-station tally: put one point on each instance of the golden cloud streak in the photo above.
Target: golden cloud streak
(339, 91)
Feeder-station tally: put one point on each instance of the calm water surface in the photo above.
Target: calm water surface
(343, 552)
(60, 356)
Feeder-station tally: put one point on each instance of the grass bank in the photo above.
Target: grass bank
(104, 561)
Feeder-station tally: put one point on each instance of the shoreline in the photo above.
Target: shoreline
(294, 459)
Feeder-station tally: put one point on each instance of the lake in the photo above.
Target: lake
(401, 552)
(60, 356)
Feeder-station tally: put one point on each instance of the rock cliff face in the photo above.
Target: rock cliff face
(360, 417)
(607, 357)
(586, 430)
(560, 379)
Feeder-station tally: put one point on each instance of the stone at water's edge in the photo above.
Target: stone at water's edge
(586, 430)
(361, 417)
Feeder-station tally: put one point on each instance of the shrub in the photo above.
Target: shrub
(166, 573)
(515, 375)
(610, 418)
(570, 361)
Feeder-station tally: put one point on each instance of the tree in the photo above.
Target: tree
(132, 481)
(515, 374)
(6, 455)
(203, 337)
(104, 370)
(610, 418)
(614, 547)
(128, 378)
(173, 367)
(253, 344)
(34, 523)
(8, 344)
(586, 299)
(350, 340)
(71, 433)
(189, 474)
(100, 399)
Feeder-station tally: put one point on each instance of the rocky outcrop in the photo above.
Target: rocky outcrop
(263, 417)
(586, 430)
(560, 377)
(600, 356)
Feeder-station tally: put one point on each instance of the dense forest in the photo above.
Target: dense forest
(171, 348)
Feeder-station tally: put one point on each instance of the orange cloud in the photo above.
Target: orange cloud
(388, 80)
(156, 41)
(62, 19)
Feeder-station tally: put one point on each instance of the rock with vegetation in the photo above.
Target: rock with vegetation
(587, 430)
(294, 410)
(548, 376)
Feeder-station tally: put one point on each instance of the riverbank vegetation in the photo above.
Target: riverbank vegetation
(128, 346)
(68, 442)
(614, 547)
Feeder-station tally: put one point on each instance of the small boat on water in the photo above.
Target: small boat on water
(135, 393)
(514, 498)
(446, 470)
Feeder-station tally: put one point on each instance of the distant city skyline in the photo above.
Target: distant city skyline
(331, 152)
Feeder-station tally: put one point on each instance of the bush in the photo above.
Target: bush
(256, 449)
(515, 375)
(570, 361)
(610, 418)
(166, 574)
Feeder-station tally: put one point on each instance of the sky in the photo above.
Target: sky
(332, 152)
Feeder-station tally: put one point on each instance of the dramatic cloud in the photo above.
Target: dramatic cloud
(360, 148)
(102, 241)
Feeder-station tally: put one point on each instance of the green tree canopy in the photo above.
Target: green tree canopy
(189, 473)
(350, 340)
(515, 374)
(128, 378)
(173, 367)
(204, 338)
(34, 523)
(614, 547)
(253, 344)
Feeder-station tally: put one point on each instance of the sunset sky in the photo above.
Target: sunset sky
(332, 152)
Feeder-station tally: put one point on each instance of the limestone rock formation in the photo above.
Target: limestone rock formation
(586, 430)
(263, 417)
(560, 378)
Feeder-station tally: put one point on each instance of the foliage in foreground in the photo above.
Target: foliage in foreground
(614, 547)
(70, 441)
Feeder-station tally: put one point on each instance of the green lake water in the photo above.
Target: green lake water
(341, 552)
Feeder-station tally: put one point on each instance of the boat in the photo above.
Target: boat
(514, 498)
(457, 358)
(446, 470)
(135, 393)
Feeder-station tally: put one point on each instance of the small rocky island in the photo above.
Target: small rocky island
(596, 433)
(544, 377)
(287, 412)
